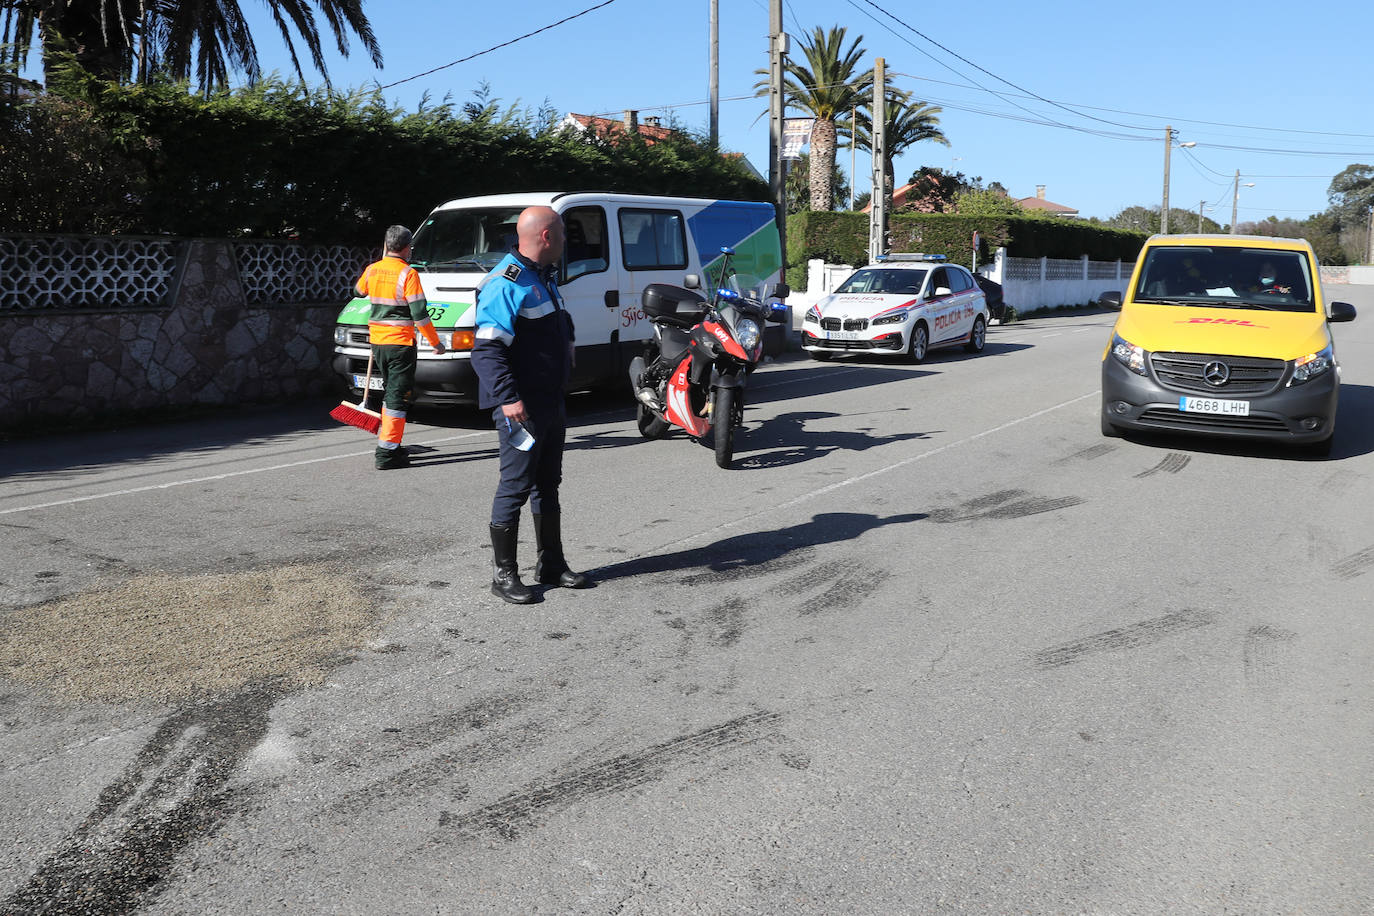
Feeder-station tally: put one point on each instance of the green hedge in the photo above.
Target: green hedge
(279, 161)
(842, 238)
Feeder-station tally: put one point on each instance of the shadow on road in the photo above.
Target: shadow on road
(791, 442)
(755, 549)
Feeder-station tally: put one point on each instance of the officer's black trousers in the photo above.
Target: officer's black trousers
(534, 475)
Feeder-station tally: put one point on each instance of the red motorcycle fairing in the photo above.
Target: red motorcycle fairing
(679, 410)
(727, 341)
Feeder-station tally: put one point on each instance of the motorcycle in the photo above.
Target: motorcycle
(693, 371)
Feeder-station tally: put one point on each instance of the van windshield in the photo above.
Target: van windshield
(1223, 276)
(465, 240)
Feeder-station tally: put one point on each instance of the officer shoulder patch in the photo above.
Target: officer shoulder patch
(512, 272)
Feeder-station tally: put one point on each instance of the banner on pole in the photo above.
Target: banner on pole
(796, 133)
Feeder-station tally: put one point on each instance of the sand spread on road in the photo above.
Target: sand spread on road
(163, 636)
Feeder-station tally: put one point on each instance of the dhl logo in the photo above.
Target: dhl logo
(1237, 322)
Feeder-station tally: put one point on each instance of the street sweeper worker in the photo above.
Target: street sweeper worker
(399, 309)
(523, 356)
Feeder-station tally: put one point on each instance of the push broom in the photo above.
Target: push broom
(357, 414)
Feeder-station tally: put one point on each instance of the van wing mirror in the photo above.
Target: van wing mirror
(1110, 299)
(692, 281)
(1342, 311)
(779, 291)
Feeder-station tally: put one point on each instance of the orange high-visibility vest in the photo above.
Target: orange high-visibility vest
(398, 303)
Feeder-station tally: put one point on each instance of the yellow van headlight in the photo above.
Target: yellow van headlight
(1128, 354)
(1312, 365)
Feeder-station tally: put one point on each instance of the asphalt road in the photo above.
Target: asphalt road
(936, 646)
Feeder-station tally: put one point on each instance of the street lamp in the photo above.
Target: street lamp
(1235, 199)
(1168, 145)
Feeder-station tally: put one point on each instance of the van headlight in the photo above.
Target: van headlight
(1128, 354)
(1313, 365)
(747, 333)
(341, 334)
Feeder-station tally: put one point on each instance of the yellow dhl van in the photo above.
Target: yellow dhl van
(1224, 335)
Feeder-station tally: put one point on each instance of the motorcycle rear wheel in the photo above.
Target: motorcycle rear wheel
(723, 425)
(651, 425)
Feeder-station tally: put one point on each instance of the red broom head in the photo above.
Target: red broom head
(366, 420)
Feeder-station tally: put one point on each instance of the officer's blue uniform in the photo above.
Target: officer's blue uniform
(522, 353)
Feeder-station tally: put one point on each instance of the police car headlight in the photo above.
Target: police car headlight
(341, 335)
(1128, 354)
(813, 315)
(747, 333)
(1313, 365)
(890, 319)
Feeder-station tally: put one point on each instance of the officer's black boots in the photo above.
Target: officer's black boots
(551, 568)
(505, 572)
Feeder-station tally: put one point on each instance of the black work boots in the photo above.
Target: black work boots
(550, 568)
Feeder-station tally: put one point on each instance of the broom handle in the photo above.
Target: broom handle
(367, 381)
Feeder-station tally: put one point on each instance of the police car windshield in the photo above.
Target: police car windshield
(465, 240)
(884, 280)
(1223, 276)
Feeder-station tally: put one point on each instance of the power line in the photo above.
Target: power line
(503, 44)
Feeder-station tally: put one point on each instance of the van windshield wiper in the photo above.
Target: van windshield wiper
(437, 265)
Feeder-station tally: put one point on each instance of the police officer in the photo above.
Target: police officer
(523, 356)
(399, 309)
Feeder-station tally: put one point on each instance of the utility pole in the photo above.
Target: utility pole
(1164, 210)
(715, 73)
(877, 214)
(1200, 205)
(1370, 259)
(1235, 200)
(853, 128)
(777, 48)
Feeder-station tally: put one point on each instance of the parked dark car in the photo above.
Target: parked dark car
(992, 291)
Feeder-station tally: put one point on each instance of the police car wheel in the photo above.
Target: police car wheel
(978, 338)
(918, 344)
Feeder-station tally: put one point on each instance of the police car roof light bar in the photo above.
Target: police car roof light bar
(912, 256)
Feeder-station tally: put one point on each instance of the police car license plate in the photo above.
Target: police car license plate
(842, 335)
(375, 382)
(1214, 405)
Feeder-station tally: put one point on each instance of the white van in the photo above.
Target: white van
(617, 244)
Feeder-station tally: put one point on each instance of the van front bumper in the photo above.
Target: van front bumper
(439, 381)
(1288, 413)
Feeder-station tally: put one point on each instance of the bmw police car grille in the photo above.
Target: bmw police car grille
(1188, 372)
(847, 324)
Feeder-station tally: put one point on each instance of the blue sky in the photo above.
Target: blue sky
(1280, 91)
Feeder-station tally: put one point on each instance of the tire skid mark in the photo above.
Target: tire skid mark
(1002, 505)
(1265, 655)
(521, 810)
(821, 572)
(1355, 565)
(855, 584)
(727, 621)
(1171, 463)
(174, 793)
(1090, 453)
(472, 717)
(1133, 636)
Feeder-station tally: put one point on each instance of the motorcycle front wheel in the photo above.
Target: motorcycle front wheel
(723, 424)
(651, 425)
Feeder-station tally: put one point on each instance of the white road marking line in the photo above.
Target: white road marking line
(181, 483)
(753, 516)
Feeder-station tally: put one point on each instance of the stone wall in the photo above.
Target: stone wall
(207, 347)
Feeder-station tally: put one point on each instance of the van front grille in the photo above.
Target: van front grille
(1247, 375)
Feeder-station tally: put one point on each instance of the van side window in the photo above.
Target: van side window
(586, 249)
(652, 239)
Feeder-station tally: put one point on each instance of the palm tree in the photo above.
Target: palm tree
(828, 87)
(117, 39)
(907, 123)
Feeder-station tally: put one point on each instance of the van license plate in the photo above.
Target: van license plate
(842, 335)
(376, 383)
(1213, 405)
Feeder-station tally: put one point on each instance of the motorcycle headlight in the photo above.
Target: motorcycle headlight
(747, 333)
(1312, 365)
(1128, 354)
(341, 335)
(813, 315)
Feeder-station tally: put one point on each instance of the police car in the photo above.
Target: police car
(901, 304)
